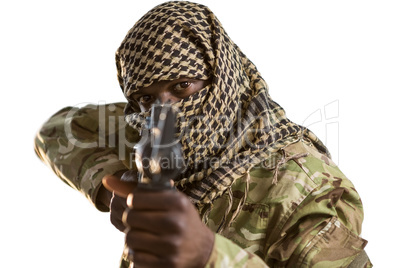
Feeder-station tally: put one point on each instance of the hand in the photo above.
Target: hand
(117, 207)
(118, 201)
(165, 230)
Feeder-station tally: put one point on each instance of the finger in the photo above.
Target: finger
(141, 241)
(148, 260)
(117, 207)
(117, 223)
(155, 222)
(157, 200)
(114, 184)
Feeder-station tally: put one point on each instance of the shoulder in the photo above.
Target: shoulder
(299, 179)
(297, 185)
(331, 188)
(295, 172)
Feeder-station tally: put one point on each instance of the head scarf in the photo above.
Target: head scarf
(229, 126)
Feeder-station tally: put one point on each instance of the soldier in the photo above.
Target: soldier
(258, 190)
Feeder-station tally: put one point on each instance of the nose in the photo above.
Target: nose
(167, 97)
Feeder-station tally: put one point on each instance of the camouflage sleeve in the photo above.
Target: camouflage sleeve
(311, 217)
(81, 145)
(324, 227)
(227, 254)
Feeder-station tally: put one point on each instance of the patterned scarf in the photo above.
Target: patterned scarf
(227, 127)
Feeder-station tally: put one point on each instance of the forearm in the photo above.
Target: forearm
(70, 143)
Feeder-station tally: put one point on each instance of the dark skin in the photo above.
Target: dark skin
(167, 91)
(116, 201)
(163, 228)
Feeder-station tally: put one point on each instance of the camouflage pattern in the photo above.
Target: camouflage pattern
(300, 210)
(311, 218)
(83, 145)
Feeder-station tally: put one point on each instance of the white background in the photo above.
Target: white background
(343, 55)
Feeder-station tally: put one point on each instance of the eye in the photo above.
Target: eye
(144, 99)
(182, 86)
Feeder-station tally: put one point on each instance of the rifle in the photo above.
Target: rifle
(157, 155)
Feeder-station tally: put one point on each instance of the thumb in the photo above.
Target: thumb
(120, 188)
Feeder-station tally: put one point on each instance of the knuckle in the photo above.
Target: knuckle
(174, 223)
(176, 243)
(172, 261)
(117, 223)
(130, 239)
(170, 243)
(127, 216)
(181, 203)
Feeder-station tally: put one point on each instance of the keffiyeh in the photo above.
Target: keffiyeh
(227, 127)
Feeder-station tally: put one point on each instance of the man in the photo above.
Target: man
(258, 190)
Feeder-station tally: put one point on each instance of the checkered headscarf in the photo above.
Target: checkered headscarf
(230, 125)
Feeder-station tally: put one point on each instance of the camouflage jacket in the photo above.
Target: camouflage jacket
(311, 217)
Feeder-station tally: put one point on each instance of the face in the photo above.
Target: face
(167, 91)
